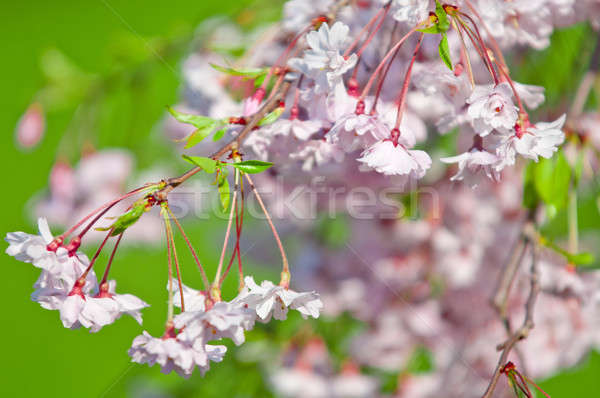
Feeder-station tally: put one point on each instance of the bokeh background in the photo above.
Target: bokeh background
(104, 71)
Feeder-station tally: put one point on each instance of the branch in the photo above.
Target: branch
(529, 234)
(234, 144)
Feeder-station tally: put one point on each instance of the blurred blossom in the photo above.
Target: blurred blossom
(31, 126)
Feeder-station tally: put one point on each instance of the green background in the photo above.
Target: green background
(115, 68)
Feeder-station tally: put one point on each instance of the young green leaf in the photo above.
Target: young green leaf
(443, 23)
(249, 73)
(207, 164)
(584, 258)
(197, 136)
(128, 218)
(196, 120)
(444, 50)
(552, 179)
(224, 191)
(219, 134)
(270, 117)
(252, 166)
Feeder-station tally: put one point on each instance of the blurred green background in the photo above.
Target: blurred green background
(110, 67)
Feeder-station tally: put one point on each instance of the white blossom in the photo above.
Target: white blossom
(221, 320)
(271, 300)
(324, 62)
(472, 164)
(394, 159)
(492, 109)
(172, 354)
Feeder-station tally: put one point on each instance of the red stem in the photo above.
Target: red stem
(110, 260)
(402, 99)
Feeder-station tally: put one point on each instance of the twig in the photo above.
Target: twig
(528, 324)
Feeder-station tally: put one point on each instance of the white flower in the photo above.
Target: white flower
(323, 62)
(531, 142)
(394, 159)
(353, 131)
(472, 164)
(314, 153)
(91, 312)
(33, 248)
(172, 354)
(271, 300)
(194, 300)
(127, 303)
(411, 11)
(222, 320)
(492, 109)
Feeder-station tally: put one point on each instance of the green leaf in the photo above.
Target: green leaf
(224, 190)
(431, 29)
(333, 232)
(198, 135)
(552, 179)
(443, 22)
(530, 196)
(198, 121)
(207, 164)
(252, 166)
(128, 218)
(219, 134)
(271, 117)
(249, 73)
(444, 50)
(584, 258)
(421, 361)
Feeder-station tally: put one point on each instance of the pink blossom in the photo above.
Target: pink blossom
(172, 354)
(222, 320)
(271, 300)
(31, 126)
(394, 159)
(492, 109)
(472, 164)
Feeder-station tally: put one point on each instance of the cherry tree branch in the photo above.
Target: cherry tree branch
(529, 236)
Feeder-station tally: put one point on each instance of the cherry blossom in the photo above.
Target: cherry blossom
(394, 159)
(472, 164)
(492, 109)
(531, 142)
(323, 62)
(174, 355)
(271, 300)
(410, 11)
(221, 320)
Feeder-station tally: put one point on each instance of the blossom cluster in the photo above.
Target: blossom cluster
(68, 284)
(359, 94)
(427, 282)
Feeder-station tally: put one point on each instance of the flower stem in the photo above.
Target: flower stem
(286, 269)
(217, 281)
(402, 99)
(110, 260)
(189, 244)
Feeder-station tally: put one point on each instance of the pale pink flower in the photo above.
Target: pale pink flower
(353, 131)
(324, 62)
(541, 139)
(194, 300)
(31, 126)
(410, 11)
(172, 354)
(33, 248)
(492, 109)
(271, 300)
(394, 159)
(222, 320)
(472, 164)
